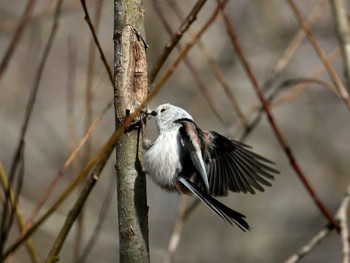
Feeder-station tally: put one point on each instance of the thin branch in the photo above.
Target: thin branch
(70, 94)
(343, 218)
(88, 120)
(295, 165)
(316, 73)
(77, 208)
(105, 208)
(29, 108)
(71, 123)
(35, 88)
(90, 79)
(340, 11)
(214, 67)
(96, 161)
(285, 97)
(300, 85)
(175, 237)
(189, 210)
(67, 163)
(98, 45)
(279, 67)
(31, 248)
(321, 53)
(310, 245)
(167, 73)
(306, 249)
(194, 72)
(293, 46)
(17, 36)
(191, 17)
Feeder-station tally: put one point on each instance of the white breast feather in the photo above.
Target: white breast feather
(161, 161)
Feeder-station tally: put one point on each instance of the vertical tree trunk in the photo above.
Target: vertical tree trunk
(130, 71)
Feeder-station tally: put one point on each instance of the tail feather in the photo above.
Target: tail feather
(218, 208)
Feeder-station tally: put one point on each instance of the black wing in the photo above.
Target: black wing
(192, 159)
(232, 166)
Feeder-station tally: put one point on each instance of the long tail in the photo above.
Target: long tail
(218, 208)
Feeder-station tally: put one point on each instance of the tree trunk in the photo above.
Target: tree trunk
(130, 71)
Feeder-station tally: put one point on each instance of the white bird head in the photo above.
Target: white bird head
(167, 114)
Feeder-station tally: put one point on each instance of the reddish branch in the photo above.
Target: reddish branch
(192, 16)
(322, 54)
(94, 35)
(200, 83)
(231, 31)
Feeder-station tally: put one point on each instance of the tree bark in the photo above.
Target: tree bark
(130, 71)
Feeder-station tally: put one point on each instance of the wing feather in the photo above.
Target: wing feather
(229, 165)
(236, 167)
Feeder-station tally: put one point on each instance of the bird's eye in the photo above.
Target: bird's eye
(162, 110)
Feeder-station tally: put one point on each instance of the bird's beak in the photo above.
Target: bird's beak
(153, 113)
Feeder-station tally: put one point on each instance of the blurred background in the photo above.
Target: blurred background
(315, 123)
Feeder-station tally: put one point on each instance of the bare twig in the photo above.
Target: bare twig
(29, 108)
(192, 16)
(279, 67)
(95, 163)
(67, 164)
(287, 96)
(340, 11)
(200, 83)
(90, 79)
(35, 88)
(310, 245)
(321, 53)
(293, 46)
(31, 248)
(343, 218)
(214, 67)
(88, 121)
(70, 97)
(17, 36)
(189, 210)
(78, 206)
(295, 165)
(105, 208)
(157, 85)
(72, 59)
(175, 237)
(298, 89)
(342, 215)
(98, 45)
(300, 85)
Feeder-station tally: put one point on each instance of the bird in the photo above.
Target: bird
(188, 160)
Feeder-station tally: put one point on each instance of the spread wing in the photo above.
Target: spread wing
(231, 165)
(228, 165)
